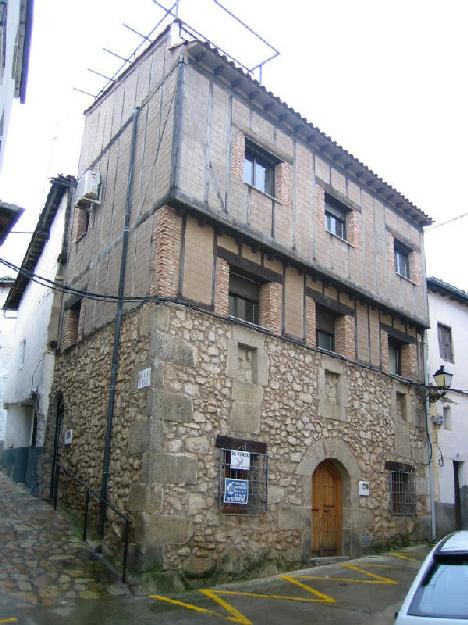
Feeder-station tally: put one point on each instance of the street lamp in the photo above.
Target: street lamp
(443, 380)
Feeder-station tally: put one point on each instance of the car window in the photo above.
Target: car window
(443, 591)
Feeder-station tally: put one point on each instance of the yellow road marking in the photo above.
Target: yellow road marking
(9, 620)
(322, 596)
(374, 578)
(402, 556)
(237, 617)
(195, 608)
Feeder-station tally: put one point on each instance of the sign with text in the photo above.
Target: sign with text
(364, 490)
(240, 459)
(144, 378)
(236, 491)
(68, 438)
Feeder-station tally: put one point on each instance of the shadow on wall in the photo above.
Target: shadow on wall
(21, 466)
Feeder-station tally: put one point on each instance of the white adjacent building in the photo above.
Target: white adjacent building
(7, 328)
(29, 378)
(15, 40)
(448, 346)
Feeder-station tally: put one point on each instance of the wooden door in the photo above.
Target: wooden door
(326, 509)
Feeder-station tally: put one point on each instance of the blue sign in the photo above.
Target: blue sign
(236, 491)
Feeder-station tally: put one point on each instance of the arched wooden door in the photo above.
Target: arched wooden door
(326, 509)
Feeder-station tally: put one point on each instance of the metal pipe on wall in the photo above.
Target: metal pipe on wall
(118, 327)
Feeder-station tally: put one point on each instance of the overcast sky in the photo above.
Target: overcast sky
(386, 80)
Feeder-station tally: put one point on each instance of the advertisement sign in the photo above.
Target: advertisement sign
(236, 491)
(364, 490)
(240, 459)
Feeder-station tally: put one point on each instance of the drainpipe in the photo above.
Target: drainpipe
(429, 442)
(118, 327)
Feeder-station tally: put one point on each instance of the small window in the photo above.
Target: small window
(22, 353)
(447, 418)
(325, 329)
(444, 334)
(402, 492)
(244, 297)
(242, 481)
(401, 406)
(259, 168)
(335, 215)
(402, 259)
(394, 356)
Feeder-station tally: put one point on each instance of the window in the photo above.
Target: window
(242, 481)
(447, 418)
(401, 259)
(259, 168)
(401, 406)
(444, 334)
(335, 215)
(22, 353)
(402, 489)
(243, 298)
(394, 356)
(325, 329)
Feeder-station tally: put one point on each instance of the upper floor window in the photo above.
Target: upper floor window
(259, 168)
(325, 329)
(444, 334)
(401, 253)
(244, 296)
(335, 215)
(394, 356)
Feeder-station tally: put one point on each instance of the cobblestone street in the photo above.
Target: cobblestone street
(42, 562)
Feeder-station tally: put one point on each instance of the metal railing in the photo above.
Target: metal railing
(89, 491)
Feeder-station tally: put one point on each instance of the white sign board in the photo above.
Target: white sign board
(67, 439)
(144, 378)
(364, 490)
(240, 459)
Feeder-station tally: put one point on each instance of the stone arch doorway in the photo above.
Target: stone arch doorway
(327, 507)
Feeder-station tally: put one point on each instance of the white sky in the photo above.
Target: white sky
(385, 79)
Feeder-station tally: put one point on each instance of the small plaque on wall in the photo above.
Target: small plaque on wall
(68, 437)
(364, 490)
(144, 378)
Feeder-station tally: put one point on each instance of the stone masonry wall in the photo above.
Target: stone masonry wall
(165, 466)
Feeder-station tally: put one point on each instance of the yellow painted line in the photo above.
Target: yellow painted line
(237, 617)
(194, 608)
(9, 620)
(322, 596)
(402, 556)
(373, 577)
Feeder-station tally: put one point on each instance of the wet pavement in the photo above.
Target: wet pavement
(42, 562)
(49, 577)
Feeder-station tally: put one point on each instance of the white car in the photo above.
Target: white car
(439, 594)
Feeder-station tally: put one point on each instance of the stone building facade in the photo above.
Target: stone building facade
(268, 400)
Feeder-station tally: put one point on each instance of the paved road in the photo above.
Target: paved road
(48, 578)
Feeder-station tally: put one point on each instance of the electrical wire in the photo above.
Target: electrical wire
(64, 288)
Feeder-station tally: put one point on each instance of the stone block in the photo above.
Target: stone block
(170, 468)
(138, 436)
(275, 494)
(245, 417)
(171, 406)
(197, 445)
(248, 337)
(251, 393)
(199, 567)
(172, 349)
(294, 518)
(144, 498)
(157, 529)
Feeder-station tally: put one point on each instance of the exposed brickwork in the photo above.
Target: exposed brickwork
(81, 223)
(81, 319)
(237, 153)
(166, 239)
(283, 184)
(415, 268)
(271, 299)
(353, 228)
(311, 325)
(222, 287)
(345, 336)
(409, 361)
(70, 327)
(384, 356)
(319, 208)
